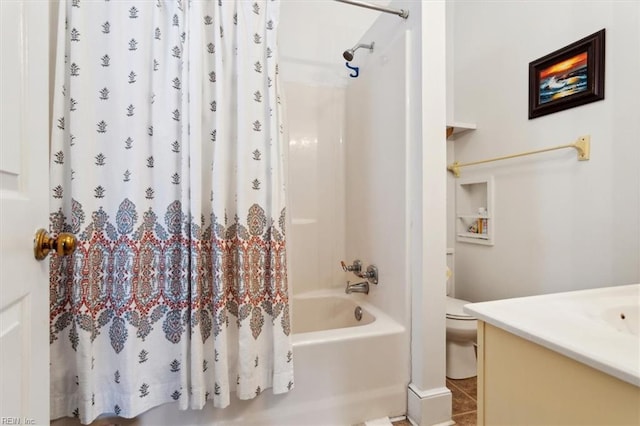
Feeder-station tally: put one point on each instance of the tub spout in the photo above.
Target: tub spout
(362, 287)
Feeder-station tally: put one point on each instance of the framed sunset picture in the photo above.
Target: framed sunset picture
(568, 77)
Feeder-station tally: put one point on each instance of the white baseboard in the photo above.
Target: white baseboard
(431, 407)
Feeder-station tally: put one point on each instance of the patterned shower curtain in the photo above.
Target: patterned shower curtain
(167, 165)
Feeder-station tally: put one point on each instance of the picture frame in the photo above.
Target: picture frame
(569, 77)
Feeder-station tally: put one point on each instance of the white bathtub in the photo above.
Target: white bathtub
(346, 371)
(322, 312)
(598, 327)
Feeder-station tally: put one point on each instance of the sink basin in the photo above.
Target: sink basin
(598, 327)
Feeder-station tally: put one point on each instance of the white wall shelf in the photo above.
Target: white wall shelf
(456, 128)
(474, 195)
(473, 235)
(474, 216)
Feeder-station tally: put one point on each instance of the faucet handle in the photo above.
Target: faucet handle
(371, 274)
(355, 267)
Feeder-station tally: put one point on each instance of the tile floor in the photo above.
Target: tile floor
(464, 396)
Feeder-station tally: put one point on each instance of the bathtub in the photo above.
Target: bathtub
(597, 327)
(324, 311)
(346, 371)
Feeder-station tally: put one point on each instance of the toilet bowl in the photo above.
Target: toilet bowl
(461, 341)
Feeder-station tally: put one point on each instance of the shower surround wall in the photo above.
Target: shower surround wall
(377, 188)
(313, 37)
(315, 117)
(348, 148)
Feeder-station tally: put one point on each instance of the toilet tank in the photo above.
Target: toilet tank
(452, 276)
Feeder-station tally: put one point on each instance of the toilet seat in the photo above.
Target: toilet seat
(455, 309)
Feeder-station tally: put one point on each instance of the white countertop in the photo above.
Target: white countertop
(598, 327)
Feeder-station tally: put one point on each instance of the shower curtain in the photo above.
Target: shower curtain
(167, 165)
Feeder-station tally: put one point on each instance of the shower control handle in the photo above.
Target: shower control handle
(371, 274)
(356, 267)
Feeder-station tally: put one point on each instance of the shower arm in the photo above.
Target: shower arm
(401, 13)
(363, 45)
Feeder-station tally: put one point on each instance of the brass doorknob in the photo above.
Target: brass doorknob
(43, 243)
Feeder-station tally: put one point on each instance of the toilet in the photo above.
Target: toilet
(461, 333)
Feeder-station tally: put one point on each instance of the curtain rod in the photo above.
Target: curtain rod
(582, 145)
(401, 13)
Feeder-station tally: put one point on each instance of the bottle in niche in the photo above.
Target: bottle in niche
(482, 221)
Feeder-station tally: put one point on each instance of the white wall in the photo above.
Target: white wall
(450, 115)
(560, 224)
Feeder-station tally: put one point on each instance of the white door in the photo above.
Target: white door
(24, 187)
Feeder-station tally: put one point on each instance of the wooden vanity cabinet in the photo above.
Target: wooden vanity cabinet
(523, 383)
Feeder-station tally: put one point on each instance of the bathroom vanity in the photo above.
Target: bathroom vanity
(560, 359)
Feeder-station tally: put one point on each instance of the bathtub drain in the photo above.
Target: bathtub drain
(358, 313)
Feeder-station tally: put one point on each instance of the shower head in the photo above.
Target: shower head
(348, 54)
